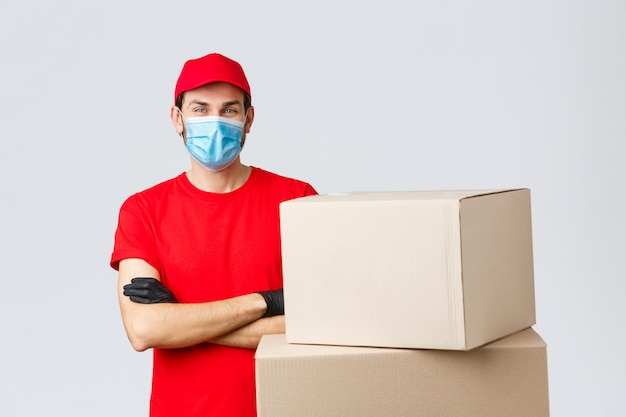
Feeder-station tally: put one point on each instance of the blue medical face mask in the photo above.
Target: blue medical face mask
(213, 141)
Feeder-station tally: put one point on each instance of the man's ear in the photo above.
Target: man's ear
(177, 119)
(249, 119)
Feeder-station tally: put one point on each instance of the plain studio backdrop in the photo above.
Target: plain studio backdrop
(349, 96)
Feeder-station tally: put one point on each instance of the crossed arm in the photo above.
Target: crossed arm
(234, 322)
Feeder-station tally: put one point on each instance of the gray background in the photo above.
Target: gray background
(359, 95)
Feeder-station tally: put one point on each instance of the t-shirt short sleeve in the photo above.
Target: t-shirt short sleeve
(133, 237)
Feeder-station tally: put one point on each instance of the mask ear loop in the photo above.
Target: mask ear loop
(184, 122)
(243, 130)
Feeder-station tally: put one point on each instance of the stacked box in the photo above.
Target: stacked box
(405, 304)
(504, 378)
(418, 269)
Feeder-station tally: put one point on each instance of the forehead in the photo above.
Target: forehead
(214, 93)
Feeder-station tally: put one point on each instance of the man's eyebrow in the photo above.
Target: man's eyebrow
(201, 103)
(225, 104)
(232, 103)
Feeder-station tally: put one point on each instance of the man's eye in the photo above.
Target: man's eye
(229, 111)
(200, 110)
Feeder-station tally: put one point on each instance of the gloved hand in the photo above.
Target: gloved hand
(275, 302)
(148, 291)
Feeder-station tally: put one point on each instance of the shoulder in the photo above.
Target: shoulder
(154, 193)
(270, 179)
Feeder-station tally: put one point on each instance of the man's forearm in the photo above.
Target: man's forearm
(250, 335)
(175, 325)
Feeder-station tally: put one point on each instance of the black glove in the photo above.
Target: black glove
(148, 291)
(275, 302)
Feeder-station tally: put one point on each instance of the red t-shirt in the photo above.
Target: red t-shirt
(207, 247)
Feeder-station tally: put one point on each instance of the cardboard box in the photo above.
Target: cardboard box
(507, 378)
(414, 269)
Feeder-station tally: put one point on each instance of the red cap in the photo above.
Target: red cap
(210, 69)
